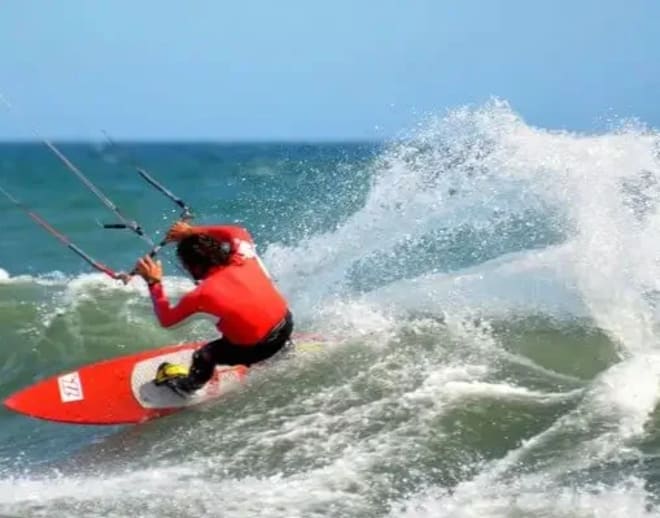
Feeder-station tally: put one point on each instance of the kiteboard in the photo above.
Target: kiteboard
(122, 390)
(118, 391)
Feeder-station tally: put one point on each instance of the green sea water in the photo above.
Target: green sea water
(489, 293)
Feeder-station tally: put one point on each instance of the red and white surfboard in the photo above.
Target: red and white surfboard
(119, 391)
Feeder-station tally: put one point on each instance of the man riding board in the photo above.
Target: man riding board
(232, 285)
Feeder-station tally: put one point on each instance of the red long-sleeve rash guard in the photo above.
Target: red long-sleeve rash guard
(240, 294)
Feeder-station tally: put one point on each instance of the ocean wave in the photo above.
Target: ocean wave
(495, 295)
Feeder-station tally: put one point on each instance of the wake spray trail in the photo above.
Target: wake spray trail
(470, 179)
(589, 207)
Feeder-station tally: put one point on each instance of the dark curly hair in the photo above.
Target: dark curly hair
(199, 253)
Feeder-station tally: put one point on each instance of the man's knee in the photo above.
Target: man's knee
(202, 355)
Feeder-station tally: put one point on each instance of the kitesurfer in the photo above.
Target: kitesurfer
(233, 285)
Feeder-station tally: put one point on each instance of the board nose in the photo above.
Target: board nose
(12, 402)
(24, 402)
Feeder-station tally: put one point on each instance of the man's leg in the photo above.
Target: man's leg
(223, 352)
(230, 354)
(202, 366)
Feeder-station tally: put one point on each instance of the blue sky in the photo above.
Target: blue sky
(306, 69)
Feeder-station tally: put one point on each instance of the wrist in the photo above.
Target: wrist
(152, 281)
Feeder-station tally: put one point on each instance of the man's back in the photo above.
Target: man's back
(244, 299)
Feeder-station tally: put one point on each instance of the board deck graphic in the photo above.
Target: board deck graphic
(70, 387)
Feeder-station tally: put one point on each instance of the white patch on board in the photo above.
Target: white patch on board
(70, 387)
(149, 395)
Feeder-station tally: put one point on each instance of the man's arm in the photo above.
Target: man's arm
(167, 315)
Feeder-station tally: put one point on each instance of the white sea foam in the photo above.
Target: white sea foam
(342, 436)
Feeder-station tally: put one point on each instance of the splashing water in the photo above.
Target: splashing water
(496, 297)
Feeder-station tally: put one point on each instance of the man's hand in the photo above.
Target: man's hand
(151, 271)
(178, 231)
